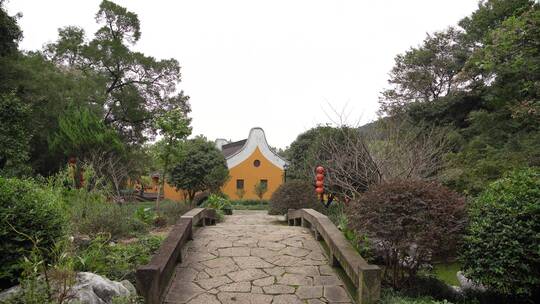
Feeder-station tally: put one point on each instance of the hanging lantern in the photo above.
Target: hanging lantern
(319, 180)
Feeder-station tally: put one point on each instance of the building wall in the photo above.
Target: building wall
(169, 192)
(252, 175)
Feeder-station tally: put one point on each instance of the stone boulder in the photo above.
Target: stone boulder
(467, 284)
(89, 288)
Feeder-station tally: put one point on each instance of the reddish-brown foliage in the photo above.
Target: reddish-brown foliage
(409, 222)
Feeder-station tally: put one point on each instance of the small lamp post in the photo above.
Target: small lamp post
(285, 167)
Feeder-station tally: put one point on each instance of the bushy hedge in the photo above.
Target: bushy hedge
(28, 214)
(502, 244)
(91, 214)
(409, 221)
(293, 195)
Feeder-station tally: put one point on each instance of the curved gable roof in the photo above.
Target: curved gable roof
(237, 152)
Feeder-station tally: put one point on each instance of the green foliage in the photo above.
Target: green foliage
(260, 189)
(172, 211)
(489, 15)
(116, 261)
(302, 152)
(293, 194)
(10, 33)
(391, 297)
(336, 213)
(217, 202)
(241, 192)
(145, 214)
(27, 212)
(250, 204)
(201, 167)
(501, 245)
(136, 89)
(47, 275)
(15, 136)
(427, 72)
(413, 222)
(486, 87)
(446, 272)
(92, 214)
(81, 132)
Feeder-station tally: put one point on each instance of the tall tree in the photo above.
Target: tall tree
(174, 127)
(136, 88)
(425, 73)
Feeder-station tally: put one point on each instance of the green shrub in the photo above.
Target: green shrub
(217, 202)
(92, 214)
(116, 261)
(27, 212)
(249, 202)
(172, 211)
(502, 244)
(412, 221)
(336, 213)
(145, 214)
(293, 194)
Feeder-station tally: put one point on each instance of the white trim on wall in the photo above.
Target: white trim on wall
(256, 139)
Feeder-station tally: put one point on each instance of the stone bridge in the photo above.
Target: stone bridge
(250, 257)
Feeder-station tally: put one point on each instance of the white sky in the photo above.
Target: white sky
(273, 64)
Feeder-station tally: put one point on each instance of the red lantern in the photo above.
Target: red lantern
(320, 177)
(320, 170)
(319, 190)
(318, 184)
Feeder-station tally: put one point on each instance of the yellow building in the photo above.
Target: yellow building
(250, 161)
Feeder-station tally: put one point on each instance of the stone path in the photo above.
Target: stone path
(253, 258)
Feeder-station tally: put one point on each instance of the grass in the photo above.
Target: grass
(392, 297)
(446, 272)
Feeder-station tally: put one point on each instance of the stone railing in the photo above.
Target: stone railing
(365, 277)
(154, 277)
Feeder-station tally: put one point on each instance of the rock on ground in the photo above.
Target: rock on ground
(89, 288)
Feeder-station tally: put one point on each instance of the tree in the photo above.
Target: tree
(81, 135)
(14, 136)
(425, 73)
(135, 88)
(174, 127)
(260, 189)
(10, 33)
(491, 108)
(201, 167)
(489, 15)
(302, 150)
(81, 132)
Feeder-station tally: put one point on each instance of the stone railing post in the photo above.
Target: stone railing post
(369, 285)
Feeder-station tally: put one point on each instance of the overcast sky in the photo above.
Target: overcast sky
(273, 64)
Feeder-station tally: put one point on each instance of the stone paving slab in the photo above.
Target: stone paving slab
(252, 258)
